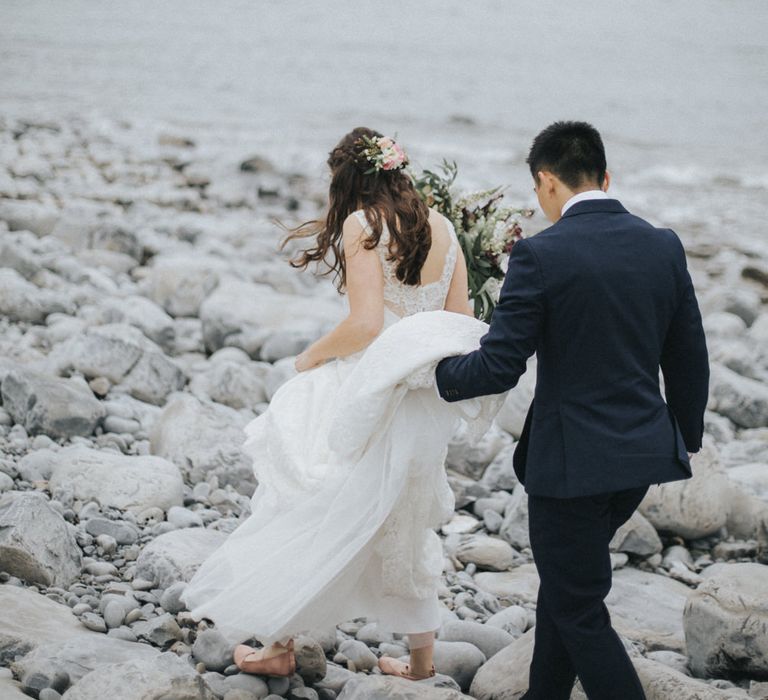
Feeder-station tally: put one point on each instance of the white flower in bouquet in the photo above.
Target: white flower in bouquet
(486, 232)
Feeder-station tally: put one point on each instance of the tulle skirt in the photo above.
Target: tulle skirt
(330, 537)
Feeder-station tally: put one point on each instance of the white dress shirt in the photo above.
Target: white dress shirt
(581, 197)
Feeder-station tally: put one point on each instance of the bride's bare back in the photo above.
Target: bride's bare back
(443, 274)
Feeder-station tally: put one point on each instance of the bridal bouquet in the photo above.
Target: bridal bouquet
(486, 230)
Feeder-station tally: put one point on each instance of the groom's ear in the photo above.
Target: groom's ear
(545, 181)
(606, 181)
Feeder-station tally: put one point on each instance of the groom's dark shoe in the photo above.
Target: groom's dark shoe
(570, 539)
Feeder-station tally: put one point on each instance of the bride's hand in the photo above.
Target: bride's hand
(305, 361)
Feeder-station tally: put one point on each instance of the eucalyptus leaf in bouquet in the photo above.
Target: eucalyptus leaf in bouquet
(486, 230)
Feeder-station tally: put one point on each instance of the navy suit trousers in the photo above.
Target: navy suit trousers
(574, 636)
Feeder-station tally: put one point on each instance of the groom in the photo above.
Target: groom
(604, 299)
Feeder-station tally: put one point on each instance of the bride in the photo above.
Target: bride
(350, 454)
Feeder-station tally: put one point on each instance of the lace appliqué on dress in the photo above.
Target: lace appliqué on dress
(407, 299)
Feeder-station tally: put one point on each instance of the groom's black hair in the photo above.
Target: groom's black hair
(571, 150)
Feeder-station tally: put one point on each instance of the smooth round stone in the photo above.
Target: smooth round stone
(201, 491)
(133, 615)
(81, 608)
(49, 694)
(6, 482)
(170, 600)
(181, 517)
(123, 632)
(114, 613)
(303, 694)
(116, 424)
(100, 568)
(93, 622)
(213, 650)
(142, 584)
(239, 694)
(107, 543)
(150, 516)
(359, 654)
(123, 532)
(279, 686)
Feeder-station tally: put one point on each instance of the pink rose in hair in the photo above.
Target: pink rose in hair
(393, 157)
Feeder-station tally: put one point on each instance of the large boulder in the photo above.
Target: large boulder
(163, 676)
(204, 438)
(637, 536)
(660, 682)
(743, 400)
(511, 416)
(238, 383)
(505, 675)
(28, 619)
(180, 283)
(725, 622)
(175, 556)
(694, 507)
(136, 311)
(36, 543)
(27, 215)
(79, 655)
(520, 586)
(51, 405)
(472, 458)
(23, 301)
(487, 552)
(245, 315)
(514, 527)
(488, 638)
(753, 478)
(747, 515)
(125, 356)
(742, 302)
(380, 687)
(648, 608)
(115, 480)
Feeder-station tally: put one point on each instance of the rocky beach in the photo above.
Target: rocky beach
(146, 316)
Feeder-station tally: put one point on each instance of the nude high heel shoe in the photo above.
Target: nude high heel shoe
(250, 660)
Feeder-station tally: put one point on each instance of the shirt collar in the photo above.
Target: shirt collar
(582, 196)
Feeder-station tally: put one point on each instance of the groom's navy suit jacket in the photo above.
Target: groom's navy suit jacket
(604, 299)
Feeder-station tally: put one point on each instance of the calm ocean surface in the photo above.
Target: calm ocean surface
(678, 89)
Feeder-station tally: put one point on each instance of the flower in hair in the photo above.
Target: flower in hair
(384, 153)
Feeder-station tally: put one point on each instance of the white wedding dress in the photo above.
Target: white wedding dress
(349, 458)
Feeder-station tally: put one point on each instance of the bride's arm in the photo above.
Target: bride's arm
(365, 290)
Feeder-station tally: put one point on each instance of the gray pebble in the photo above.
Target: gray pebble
(93, 622)
(100, 568)
(114, 613)
(123, 532)
(181, 517)
(49, 694)
(170, 599)
(123, 632)
(213, 650)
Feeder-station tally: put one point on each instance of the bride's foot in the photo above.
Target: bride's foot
(275, 660)
(395, 667)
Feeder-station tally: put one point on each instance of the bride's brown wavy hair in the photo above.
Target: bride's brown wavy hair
(385, 196)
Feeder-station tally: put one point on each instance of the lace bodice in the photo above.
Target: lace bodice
(407, 299)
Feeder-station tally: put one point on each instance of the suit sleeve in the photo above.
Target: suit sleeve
(512, 337)
(685, 364)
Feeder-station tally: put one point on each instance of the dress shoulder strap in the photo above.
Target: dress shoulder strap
(453, 250)
(360, 214)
